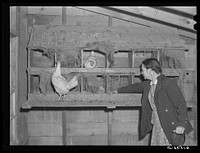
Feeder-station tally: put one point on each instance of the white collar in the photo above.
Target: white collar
(154, 82)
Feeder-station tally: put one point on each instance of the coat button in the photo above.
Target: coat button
(166, 110)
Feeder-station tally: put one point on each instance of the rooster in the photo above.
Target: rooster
(61, 85)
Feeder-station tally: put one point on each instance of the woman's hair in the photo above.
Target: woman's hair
(153, 64)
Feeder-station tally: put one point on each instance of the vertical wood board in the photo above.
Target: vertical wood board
(125, 128)
(125, 139)
(45, 129)
(86, 129)
(45, 140)
(125, 116)
(88, 116)
(87, 140)
(44, 116)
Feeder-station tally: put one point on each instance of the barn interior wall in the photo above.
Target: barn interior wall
(88, 127)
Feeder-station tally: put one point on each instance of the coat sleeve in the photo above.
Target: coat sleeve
(177, 98)
(132, 88)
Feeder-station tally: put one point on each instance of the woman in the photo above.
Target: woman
(164, 109)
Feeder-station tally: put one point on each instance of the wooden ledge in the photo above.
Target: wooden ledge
(122, 71)
(109, 101)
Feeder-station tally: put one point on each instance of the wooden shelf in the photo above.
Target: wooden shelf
(136, 71)
(85, 100)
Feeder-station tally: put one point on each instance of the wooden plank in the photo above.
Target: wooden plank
(125, 116)
(90, 20)
(39, 140)
(160, 18)
(35, 70)
(126, 38)
(122, 71)
(45, 129)
(45, 116)
(125, 128)
(45, 10)
(109, 127)
(136, 48)
(86, 116)
(64, 127)
(64, 19)
(21, 93)
(123, 17)
(85, 97)
(87, 140)
(86, 100)
(83, 100)
(13, 18)
(110, 21)
(126, 139)
(86, 129)
(134, 21)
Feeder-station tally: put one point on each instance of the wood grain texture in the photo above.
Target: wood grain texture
(39, 140)
(45, 129)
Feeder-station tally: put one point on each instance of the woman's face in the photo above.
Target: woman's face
(145, 72)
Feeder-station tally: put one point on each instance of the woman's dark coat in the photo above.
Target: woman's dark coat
(170, 104)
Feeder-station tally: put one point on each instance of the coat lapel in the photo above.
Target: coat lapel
(158, 87)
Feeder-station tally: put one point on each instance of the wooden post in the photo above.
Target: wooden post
(64, 111)
(109, 124)
(109, 111)
(131, 65)
(29, 65)
(81, 67)
(64, 128)
(64, 19)
(21, 23)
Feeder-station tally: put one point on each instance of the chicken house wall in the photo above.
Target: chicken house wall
(89, 127)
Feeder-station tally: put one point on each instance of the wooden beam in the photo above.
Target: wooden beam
(110, 71)
(161, 18)
(187, 34)
(115, 15)
(133, 19)
(64, 130)
(45, 10)
(175, 11)
(83, 100)
(110, 101)
(22, 131)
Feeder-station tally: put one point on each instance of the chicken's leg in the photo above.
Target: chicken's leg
(60, 95)
(60, 98)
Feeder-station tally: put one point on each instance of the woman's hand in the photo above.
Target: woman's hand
(179, 130)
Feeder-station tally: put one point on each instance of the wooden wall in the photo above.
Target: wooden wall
(90, 127)
(84, 127)
(18, 29)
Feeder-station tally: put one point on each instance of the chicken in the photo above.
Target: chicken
(60, 84)
(91, 61)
